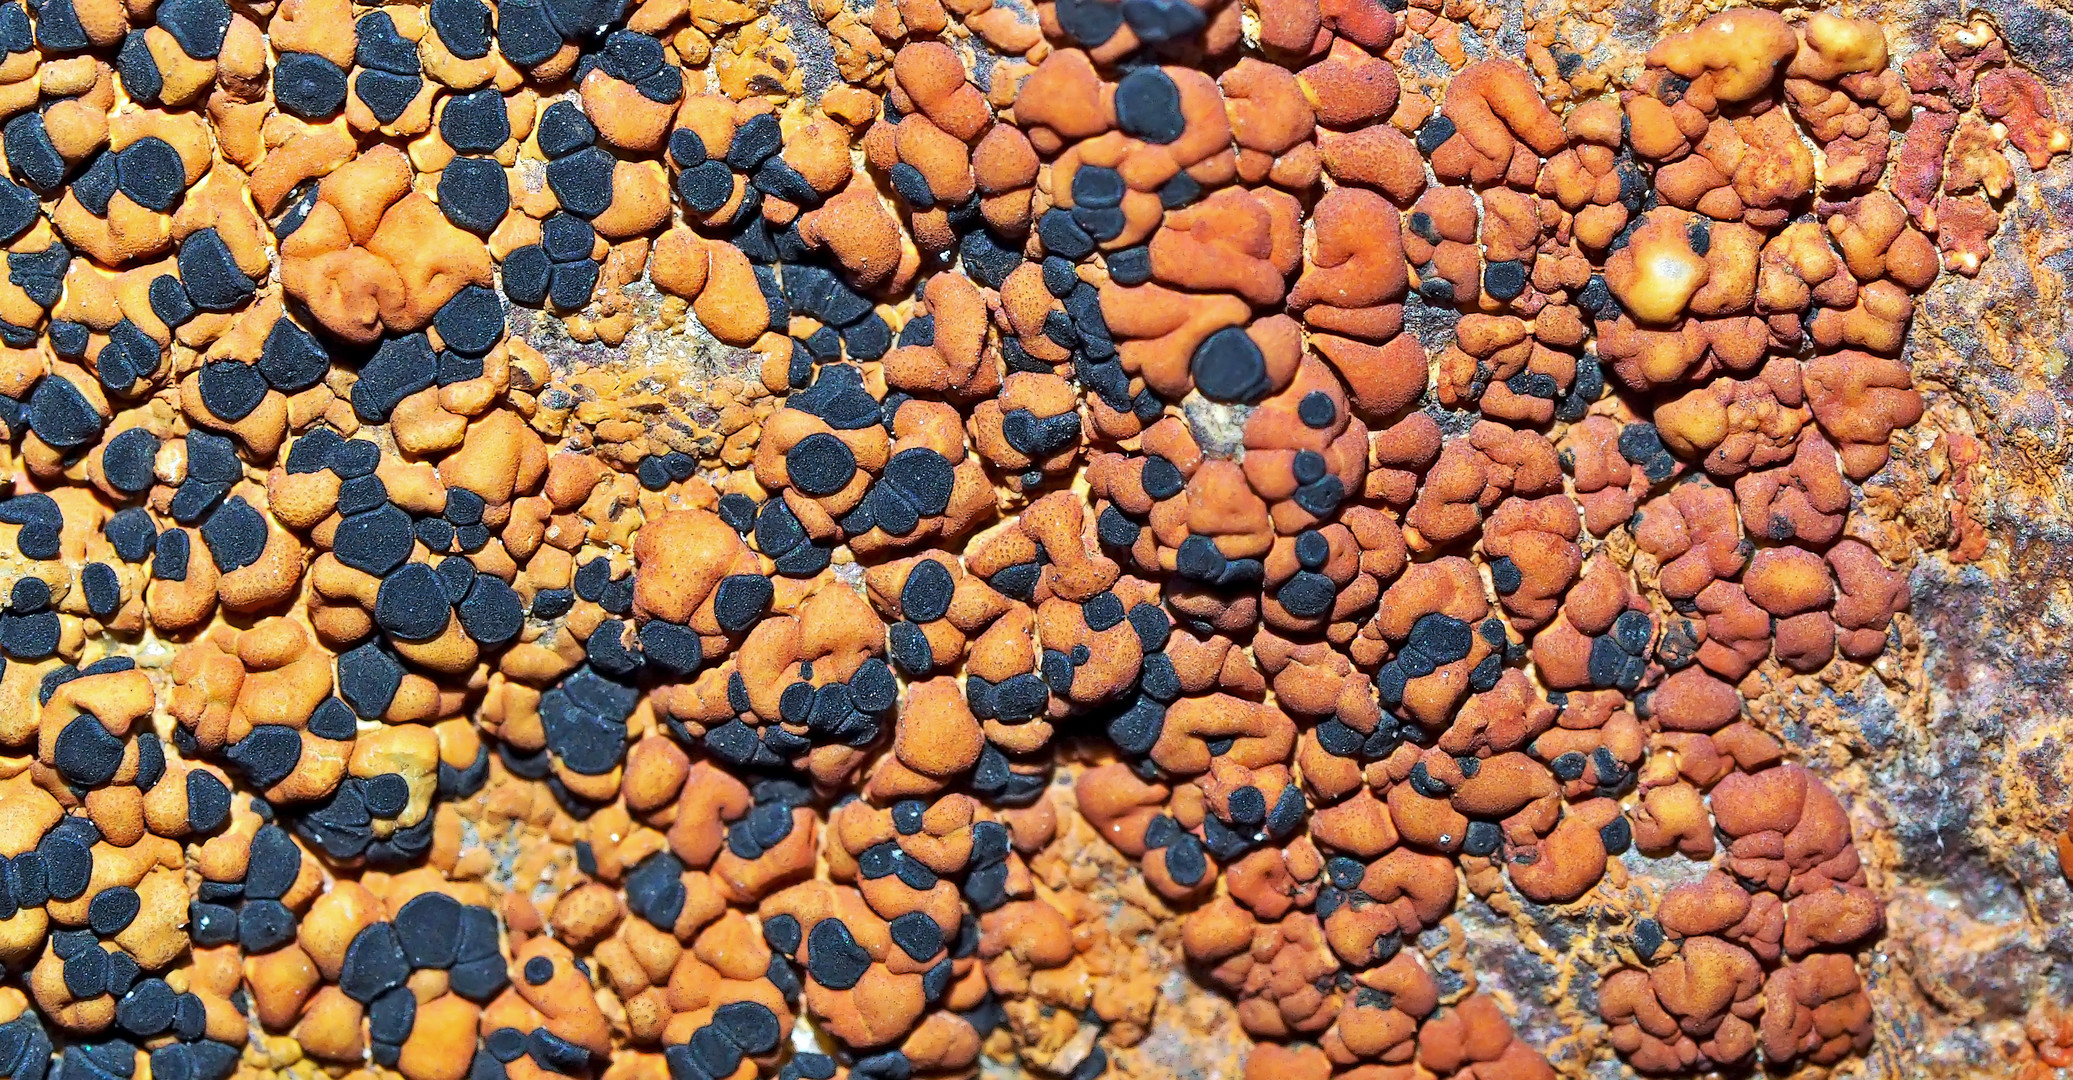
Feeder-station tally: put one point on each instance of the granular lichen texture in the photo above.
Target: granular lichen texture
(919, 539)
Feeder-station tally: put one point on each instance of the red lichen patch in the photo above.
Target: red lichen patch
(570, 539)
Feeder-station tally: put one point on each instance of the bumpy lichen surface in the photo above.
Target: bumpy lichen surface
(687, 540)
